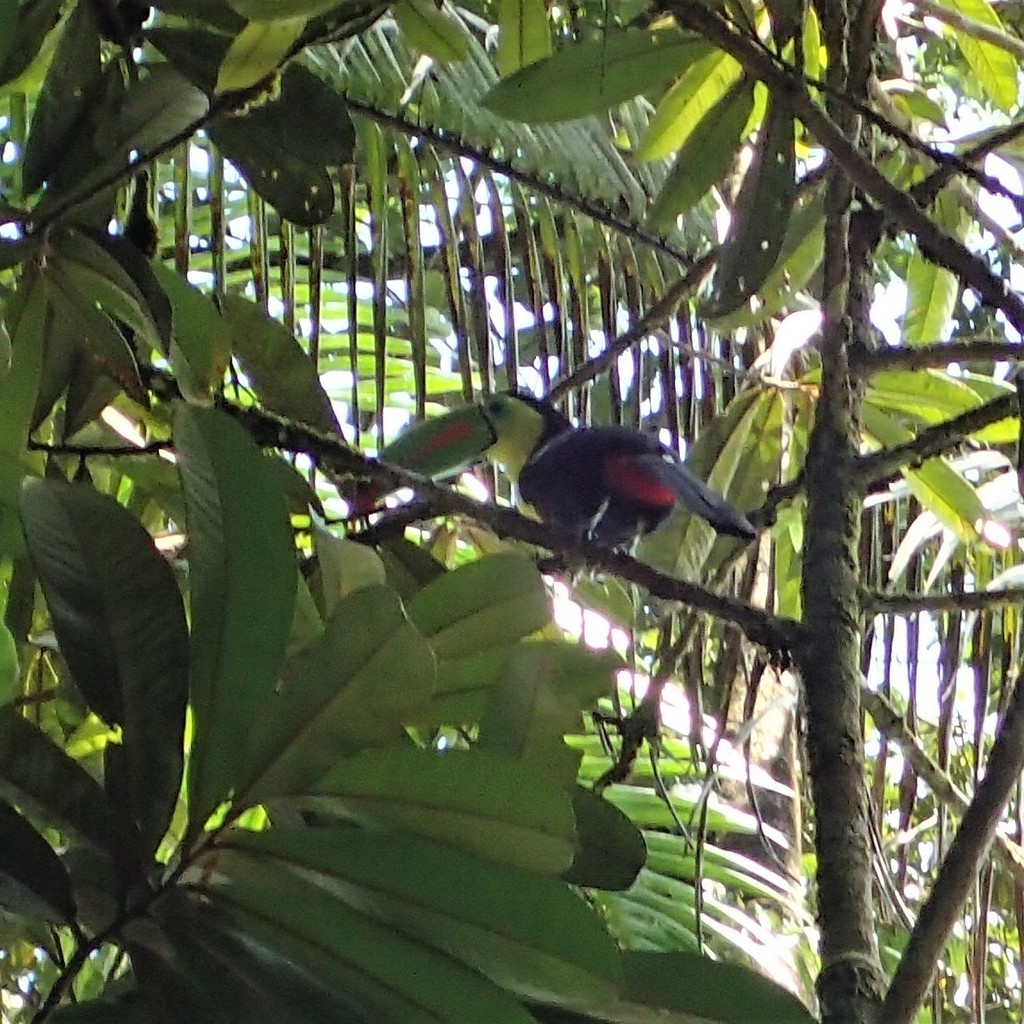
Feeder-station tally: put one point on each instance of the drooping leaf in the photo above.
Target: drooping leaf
(349, 690)
(66, 94)
(932, 293)
(994, 66)
(432, 30)
(278, 367)
(257, 52)
(32, 34)
(704, 157)
(523, 35)
(32, 879)
(242, 587)
(762, 211)
(201, 349)
(120, 622)
(530, 934)
(492, 806)
(36, 774)
(589, 76)
(610, 849)
(494, 600)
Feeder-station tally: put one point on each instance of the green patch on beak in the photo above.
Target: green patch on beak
(442, 446)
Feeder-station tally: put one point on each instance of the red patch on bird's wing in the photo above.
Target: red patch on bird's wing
(622, 475)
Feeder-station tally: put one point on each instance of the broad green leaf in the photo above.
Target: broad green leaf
(610, 849)
(530, 934)
(10, 670)
(242, 588)
(278, 367)
(492, 806)
(36, 774)
(201, 349)
(200, 956)
(699, 91)
(932, 292)
(685, 987)
(761, 214)
(538, 698)
(286, 147)
(373, 970)
(430, 29)
(523, 35)
(591, 75)
(66, 94)
(32, 879)
(488, 602)
(705, 156)
(351, 689)
(257, 52)
(928, 395)
(995, 67)
(120, 622)
(939, 487)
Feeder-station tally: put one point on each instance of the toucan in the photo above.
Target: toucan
(609, 484)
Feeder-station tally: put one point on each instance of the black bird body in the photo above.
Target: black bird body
(606, 484)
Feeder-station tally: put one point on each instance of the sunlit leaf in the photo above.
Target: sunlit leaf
(257, 52)
(494, 600)
(523, 34)
(430, 29)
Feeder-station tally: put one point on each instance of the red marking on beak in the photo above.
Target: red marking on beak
(453, 432)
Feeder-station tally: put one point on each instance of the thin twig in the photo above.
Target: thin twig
(875, 603)
(959, 869)
(939, 355)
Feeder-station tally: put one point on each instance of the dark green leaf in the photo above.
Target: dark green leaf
(349, 690)
(196, 53)
(37, 774)
(491, 806)
(488, 602)
(763, 209)
(28, 38)
(276, 918)
(285, 147)
(242, 582)
(610, 849)
(32, 879)
(589, 76)
(66, 95)
(120, 622)
(278, 367)
(530, 934)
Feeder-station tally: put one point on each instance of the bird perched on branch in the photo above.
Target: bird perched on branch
(608, 484)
